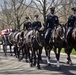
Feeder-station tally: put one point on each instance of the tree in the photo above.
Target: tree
(44, 5)
(19, 10)
(13, 12)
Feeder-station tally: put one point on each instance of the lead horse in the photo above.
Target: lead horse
(71, 43)
(55, 39)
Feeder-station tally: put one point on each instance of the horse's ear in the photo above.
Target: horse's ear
(18, 38)
(60, 24)
(22, 34)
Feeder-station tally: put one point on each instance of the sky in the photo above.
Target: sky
(1, 2)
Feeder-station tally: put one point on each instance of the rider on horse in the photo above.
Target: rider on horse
(27, 25)
(52, 20)
(71, 23)
(36, 24)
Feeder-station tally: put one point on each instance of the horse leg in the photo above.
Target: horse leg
(48, 55)
(11, 50)
(34, 57)
(39, 57)
(22, 50)
(15, 50)
(58, 57)
(18, 53)
(5, 49)
(25, 54)
(57, 54)
(28, 54)
(31, 58)
(69, 58)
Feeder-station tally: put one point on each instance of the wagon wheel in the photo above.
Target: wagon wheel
(4, 44)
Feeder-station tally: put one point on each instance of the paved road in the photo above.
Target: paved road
(11, 66)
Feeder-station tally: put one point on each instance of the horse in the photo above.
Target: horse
(59, 42)
(34, 46)
(55, 39)
(48, 44)
(71, 43)
(16, 39)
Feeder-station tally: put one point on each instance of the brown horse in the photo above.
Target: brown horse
(59, 38)
(71, 43)
(15, 38)
(34, 45)
(54, 39)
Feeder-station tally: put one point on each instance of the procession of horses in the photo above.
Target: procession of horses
(29, 46)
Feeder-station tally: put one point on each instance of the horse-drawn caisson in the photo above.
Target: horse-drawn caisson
(29, 42)
(4, 36)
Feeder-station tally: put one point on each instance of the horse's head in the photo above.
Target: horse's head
(60, 32)
(29, 36)
(74, 34)
(40, 37)
(20, 39)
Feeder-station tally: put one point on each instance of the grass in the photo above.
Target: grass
(73, 51)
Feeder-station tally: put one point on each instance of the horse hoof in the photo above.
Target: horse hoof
(38, 67)
(58, 68)
(19, 59)
(5, 55)
(67, 62)
(70, 63)
(49, 64)
(41, 61)
(11, 55)
(31, 65)
(34, 64)
(26, 60)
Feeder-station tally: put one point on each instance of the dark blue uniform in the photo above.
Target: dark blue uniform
(51, 21)
(72, 21)
(27, 25)
(71, 24)
(36, 25)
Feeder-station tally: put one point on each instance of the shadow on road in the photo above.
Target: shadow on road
(15, 67)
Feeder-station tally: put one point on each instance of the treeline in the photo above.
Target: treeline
(13, 12)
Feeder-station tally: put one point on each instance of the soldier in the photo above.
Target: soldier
(36, 24)
(71, 21)
(27, 24)
(52, 20)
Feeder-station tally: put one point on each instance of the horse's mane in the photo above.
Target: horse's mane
(74, 33)
(57, 31)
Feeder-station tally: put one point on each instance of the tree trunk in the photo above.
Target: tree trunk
(44, 11)
(18, 23)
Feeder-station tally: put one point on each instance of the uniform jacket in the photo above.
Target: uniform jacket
(51, 21)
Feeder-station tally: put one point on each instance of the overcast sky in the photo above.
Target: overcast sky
(1, 2)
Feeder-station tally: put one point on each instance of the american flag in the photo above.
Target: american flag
(5, 32)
